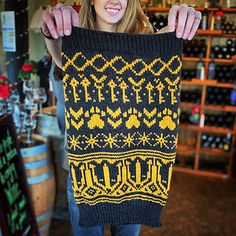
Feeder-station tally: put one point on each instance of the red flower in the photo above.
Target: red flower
(3, 78)
(76, 7)
(4, 91)
(27, 67)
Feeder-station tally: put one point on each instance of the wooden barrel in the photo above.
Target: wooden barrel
(41, 181)
(47, 127)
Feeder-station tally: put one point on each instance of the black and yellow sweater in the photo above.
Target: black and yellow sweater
(122, 95)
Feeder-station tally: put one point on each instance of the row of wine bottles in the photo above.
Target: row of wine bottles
(216, 141)
(191, 96)
(195, 48)
(214, 96)
(224, 120)
(159, 21)
(218, 22)
(218, 96)
(228, 27)
(224, 51)
(221, 73)
(225, 73)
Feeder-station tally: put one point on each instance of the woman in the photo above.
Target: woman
(112, 16)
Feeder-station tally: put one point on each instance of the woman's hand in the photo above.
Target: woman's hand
(185, 20)
(57, 21)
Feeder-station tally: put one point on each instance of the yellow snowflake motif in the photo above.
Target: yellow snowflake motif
(128, 140)
(144, 139)
(73, 142)
(175, 141)
(110, 140)
(91, 141)
(160, 140)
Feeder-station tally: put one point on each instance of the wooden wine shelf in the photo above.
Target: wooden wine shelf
(197, 150)
(185, 149)
(213, 83)
(189, 105)
(196, 59)
(220, 108)
(215, 33)
(209, 129)
(200, 172)
(166, 9)
(214, 151)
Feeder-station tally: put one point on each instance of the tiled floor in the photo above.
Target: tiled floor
(197, 206)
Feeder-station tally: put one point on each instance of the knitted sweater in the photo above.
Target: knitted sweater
(122, 95)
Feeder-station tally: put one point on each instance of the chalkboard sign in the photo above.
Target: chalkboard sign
(16, 214)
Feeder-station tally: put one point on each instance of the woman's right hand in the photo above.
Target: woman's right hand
(58, 21)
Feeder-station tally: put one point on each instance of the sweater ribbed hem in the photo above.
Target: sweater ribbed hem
(122, 42)
(129, 212)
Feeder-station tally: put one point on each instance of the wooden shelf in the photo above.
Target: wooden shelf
(220, 108)
(189, 105)
(215, 33)
(166, 9)
(196, 59)
(215, 129)
(185, 149)
(213, 83)
(209, 129)
(197, 150)
(201, 172)
(228, 61)
(209, 32)
(214, 151)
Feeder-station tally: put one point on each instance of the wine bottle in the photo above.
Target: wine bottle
(204, 22)
(200, 74)
(211, 68)
(218, 19)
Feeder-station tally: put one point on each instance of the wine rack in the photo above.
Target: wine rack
(206, 149)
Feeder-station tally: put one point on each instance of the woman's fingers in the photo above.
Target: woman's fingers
(185, 20)
(189, 22)
(58, 20)
(48, 25)
(197, 20)
(57, 16)
(182, 17)
(172, 18)
(66, 13)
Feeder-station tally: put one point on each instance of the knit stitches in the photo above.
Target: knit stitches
(122, 95)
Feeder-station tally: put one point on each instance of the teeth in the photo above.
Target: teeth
(112, 10)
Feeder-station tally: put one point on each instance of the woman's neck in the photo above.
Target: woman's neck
(105, 27)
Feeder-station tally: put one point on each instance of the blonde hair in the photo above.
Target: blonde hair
(133, 21)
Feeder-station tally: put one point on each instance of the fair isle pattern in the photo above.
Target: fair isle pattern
(122, 111)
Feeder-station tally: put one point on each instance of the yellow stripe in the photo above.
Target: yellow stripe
(125, 153)
(120, 200)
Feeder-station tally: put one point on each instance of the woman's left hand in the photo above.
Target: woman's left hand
(185, 20)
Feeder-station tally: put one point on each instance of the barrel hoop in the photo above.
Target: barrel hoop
(46, 226)
(36, 164)
(40, 178)
(33, 151)
(45, 215)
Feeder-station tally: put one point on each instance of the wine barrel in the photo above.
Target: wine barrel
(41, 180)
(48, 127)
